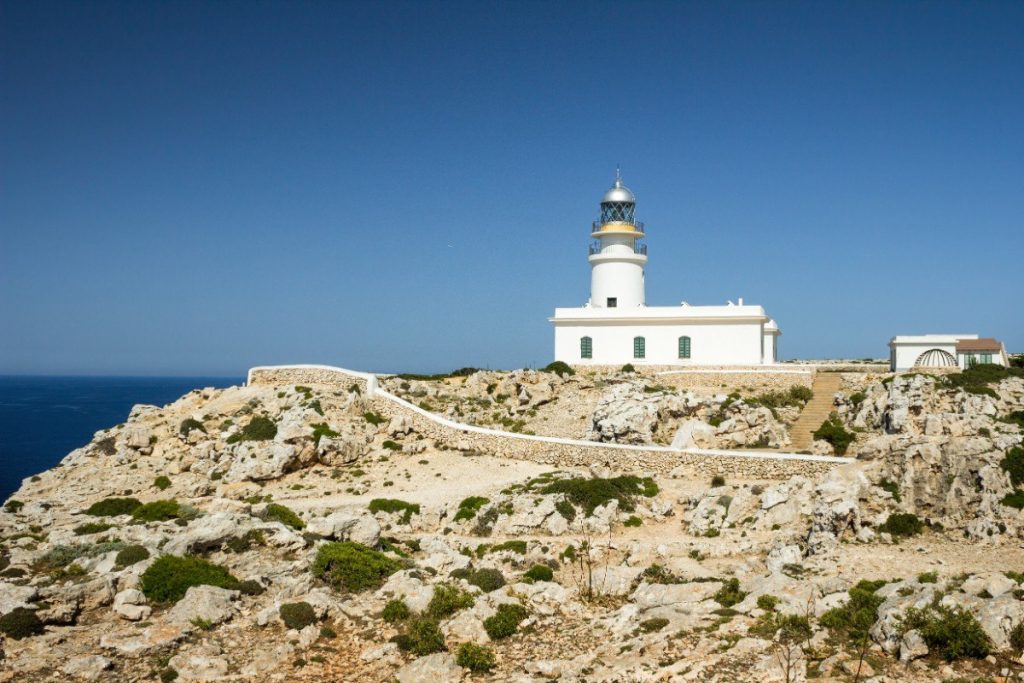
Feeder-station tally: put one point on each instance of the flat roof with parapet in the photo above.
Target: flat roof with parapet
(662, 313)
(931, 338)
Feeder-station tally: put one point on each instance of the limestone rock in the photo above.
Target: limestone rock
(203, 663)
(208, 603)
(694, 434)
(912, 646)
(260, 460)
(359, 527)
(87, 668)
(439, 667)
(131, 604)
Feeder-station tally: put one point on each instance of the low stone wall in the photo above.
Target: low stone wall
(658, 460)
(557, 453)
(750, 384)
(307, 375)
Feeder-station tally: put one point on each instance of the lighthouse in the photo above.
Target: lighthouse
(616, 326)
(617, 253)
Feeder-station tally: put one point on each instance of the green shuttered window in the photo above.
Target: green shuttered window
(638, 347)
(586, 347)
(684, 347)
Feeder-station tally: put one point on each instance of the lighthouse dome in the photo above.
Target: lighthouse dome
(618, 194)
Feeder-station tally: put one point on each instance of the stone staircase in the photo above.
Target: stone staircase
(825, 385)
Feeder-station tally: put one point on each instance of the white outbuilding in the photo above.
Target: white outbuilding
(944, 351)
(616, 326)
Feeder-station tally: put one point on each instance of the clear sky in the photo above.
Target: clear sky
(194, 188)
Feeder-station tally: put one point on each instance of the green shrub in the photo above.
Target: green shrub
(170, 577)
(628, 367)
(892, 488)
(130, 555)
(92, 528)
(163, 483)
(469, 507)
(902, 524)
(373, 418)
(729, 594)
(112, 507)
(259, 428)
(392, 445)
(832, 431)
(928, 577)
(395, 611)
(560, 368)
(21, 622)
(476, 658)
(652, 625)
(60, 556)
(485, 579)
(505, 621)
(717, 480)
(297, 615)
(190, 424)
(976, 378)
(447, 600)
(952, 632)
(320, 430)
(280, 513)
(1013, 464)
(657, 573)
(352, 567)
(422, 637)
(157, 511)
(539, 572)
(633, 521)
(858, 397)
(854, 618)
(13, 506)
(767, 602)
(1017, 637)
(395, 505)
(168, 675)
(590, 494)
(513, 546)
(566, 509)
(1014, 500)
(240, 544)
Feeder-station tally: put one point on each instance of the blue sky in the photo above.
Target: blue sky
(194, 188)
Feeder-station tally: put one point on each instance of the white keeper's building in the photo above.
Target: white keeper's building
(616, 326)
(926, 351)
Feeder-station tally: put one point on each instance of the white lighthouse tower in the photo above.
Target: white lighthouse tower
(617, 256)
(616, 326)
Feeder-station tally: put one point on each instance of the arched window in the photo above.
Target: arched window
(586, 347)
(684, 347)
(638, 347)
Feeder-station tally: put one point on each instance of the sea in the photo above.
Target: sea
(42, 419)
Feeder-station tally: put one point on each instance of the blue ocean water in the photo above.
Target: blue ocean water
(42, 419)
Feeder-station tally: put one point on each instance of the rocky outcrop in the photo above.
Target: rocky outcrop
(630, 413)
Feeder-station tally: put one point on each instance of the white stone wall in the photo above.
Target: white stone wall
(550, 450)
(770, 352)
(718, 343)
(907, 354)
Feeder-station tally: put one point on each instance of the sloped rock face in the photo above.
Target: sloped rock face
(940, 449)
(625, 415)
(918, 404)
(673, 586)
(630, 413)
